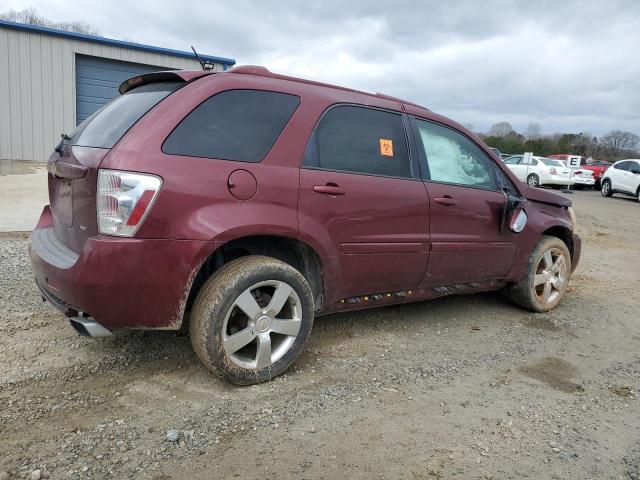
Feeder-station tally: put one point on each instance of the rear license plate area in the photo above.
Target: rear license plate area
(62, 201)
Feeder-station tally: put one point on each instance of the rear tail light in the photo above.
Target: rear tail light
(124, 200)
(553, 171)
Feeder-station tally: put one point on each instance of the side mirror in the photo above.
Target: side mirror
(513, 216)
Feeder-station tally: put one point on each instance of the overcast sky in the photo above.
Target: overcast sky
(570, 66)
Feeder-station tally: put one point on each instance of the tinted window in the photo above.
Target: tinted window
(550, 162)
(513, 160)
(105, 127)
(238, 125)
(453, 158)
(360, 140)
(623, 165)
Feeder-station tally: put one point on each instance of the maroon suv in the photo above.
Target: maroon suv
(242, 204)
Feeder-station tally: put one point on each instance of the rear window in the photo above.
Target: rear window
(105, 127)
(237, 125)
(550, 162)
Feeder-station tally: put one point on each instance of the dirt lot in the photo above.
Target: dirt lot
(466, 387)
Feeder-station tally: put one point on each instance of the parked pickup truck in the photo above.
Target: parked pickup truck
(598, 168)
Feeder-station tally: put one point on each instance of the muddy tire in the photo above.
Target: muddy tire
(251, 319)
(546, 276)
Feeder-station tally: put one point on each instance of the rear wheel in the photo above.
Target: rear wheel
(605, 189)
(533, 180)
(251, 319)
(546, 277)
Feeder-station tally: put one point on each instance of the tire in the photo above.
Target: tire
(533, 180)
(546, 277)
(605, 188)
(245, 349)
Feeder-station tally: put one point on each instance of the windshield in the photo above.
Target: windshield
(105, 127)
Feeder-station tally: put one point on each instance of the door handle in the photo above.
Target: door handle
(329, 189)
(446, 200)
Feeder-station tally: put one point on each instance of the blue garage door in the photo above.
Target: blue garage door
(98, 79)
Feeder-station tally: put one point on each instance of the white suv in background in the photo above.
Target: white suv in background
(622, 177)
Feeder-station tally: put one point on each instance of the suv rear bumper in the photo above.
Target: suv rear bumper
(119, 282)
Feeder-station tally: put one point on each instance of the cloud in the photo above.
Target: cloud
(570, 66)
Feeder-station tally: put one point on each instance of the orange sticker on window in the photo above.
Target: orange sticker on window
(386, 147)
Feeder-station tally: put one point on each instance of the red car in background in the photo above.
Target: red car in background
(598, 168)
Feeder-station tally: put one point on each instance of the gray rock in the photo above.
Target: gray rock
(173, 436)
(4, 476)
(36, 475)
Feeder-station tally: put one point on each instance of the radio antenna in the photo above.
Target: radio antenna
(205, 66)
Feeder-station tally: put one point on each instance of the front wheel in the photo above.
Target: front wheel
(546, 276)
(605, 189)
(251, 319)
(533, 180)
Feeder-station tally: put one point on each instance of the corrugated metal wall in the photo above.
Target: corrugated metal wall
(98, 79)
(37, 87)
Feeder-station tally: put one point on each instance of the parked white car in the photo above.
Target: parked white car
(622, 177)
(541, 171)
(583, 178)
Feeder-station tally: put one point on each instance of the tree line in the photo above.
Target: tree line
(611, 146)
(30, 16)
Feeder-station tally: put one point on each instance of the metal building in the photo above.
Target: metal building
(51, 80)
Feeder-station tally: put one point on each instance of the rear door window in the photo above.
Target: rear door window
(105, 127)
(513, 161)
(623, 166)
(361, 140)
(239, 125)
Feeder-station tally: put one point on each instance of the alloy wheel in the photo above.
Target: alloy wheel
(262, 324)
(605, 189)
(551, 276)
(532, 181)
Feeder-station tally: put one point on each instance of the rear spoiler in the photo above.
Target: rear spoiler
(165, 76)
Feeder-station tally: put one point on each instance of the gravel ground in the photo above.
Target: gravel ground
(467, 387)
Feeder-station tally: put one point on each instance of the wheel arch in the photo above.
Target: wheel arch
(563, 233)
(292, 251)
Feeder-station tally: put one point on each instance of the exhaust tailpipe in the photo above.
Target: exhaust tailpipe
(88, 327)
